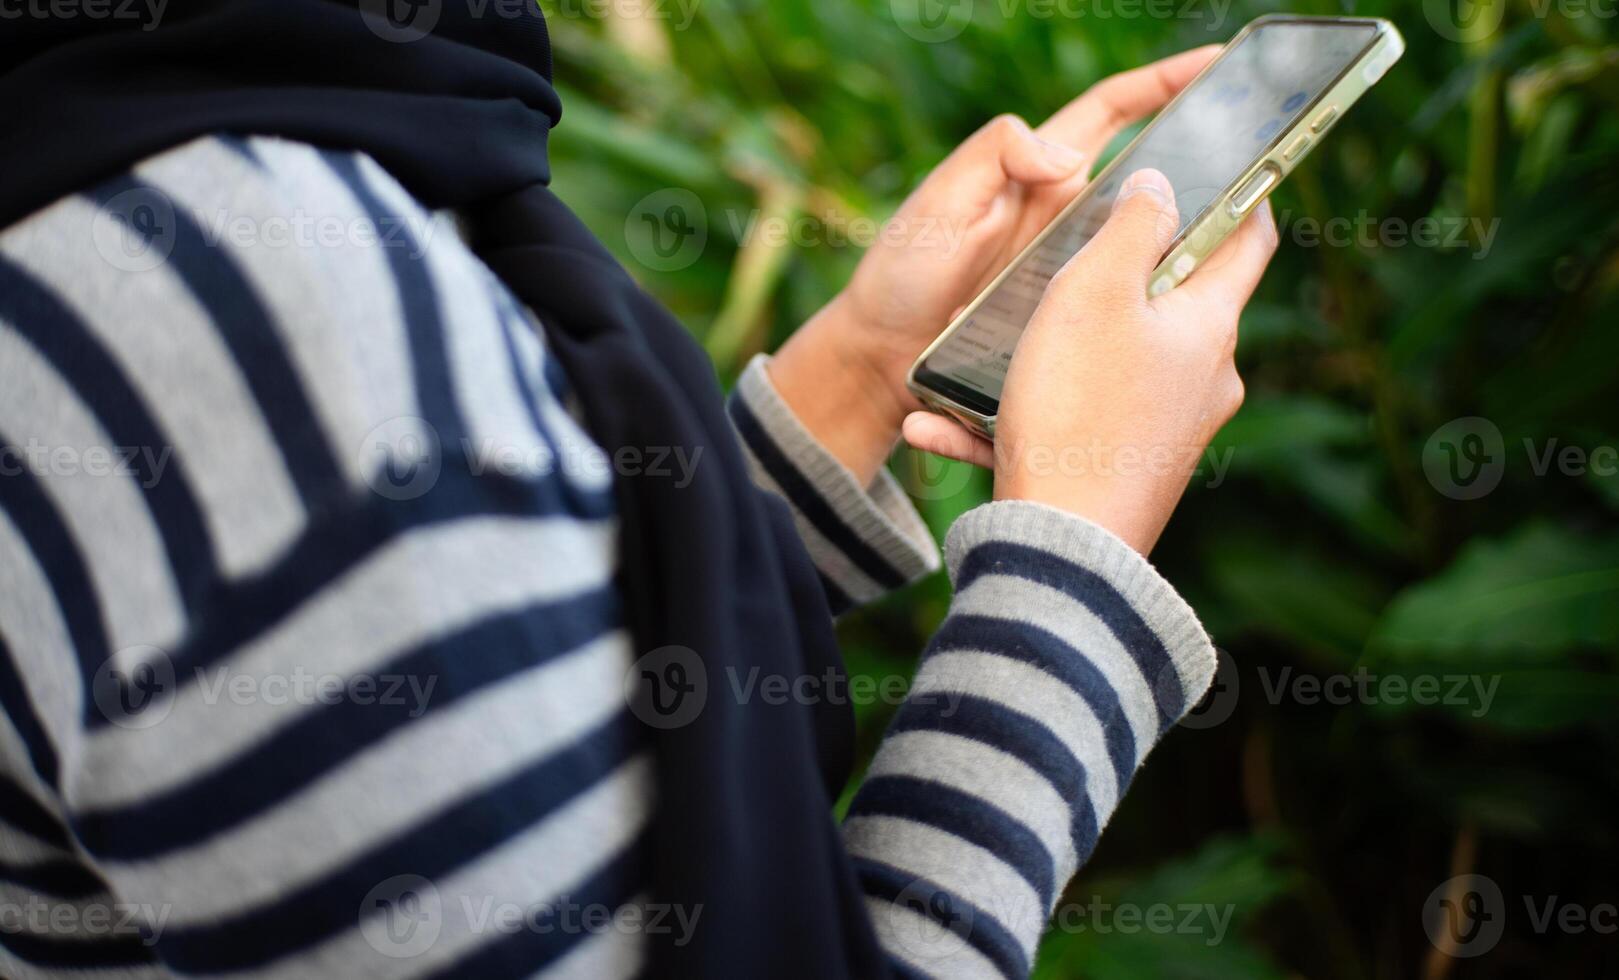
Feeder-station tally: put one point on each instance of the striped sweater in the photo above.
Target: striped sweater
(311, 663)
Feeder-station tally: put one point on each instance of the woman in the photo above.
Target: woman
(351, 627)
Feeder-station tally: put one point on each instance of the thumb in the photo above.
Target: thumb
(1138, 232)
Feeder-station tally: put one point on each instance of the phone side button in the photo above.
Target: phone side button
(1297, 149)
(1325, 119)
(1249, 194)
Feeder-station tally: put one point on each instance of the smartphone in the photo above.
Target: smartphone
(1224, 142)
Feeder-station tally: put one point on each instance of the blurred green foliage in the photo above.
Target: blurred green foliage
(1335, 545)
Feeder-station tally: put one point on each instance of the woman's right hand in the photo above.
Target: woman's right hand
(1111, 397)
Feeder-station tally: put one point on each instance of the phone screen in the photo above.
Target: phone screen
(1207, 140)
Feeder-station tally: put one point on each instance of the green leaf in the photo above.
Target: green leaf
(1316, 448)
(1290, 590)
(1183, 921)
(1540, 701)
(1538, 593)
(1275, 426)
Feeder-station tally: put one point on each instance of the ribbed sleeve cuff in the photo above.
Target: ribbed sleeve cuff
(1092, 548)
(1064, 659)
(866, 540)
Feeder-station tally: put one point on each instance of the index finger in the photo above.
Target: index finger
(1090, 121)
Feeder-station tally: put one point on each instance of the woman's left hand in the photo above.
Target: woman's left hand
(844, 372)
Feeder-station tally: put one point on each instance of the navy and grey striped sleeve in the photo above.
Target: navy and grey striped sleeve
(1064, 658)
(310, 650)
(865, 540)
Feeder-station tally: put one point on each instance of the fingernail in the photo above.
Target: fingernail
(1145, 180)
(1064, 157)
